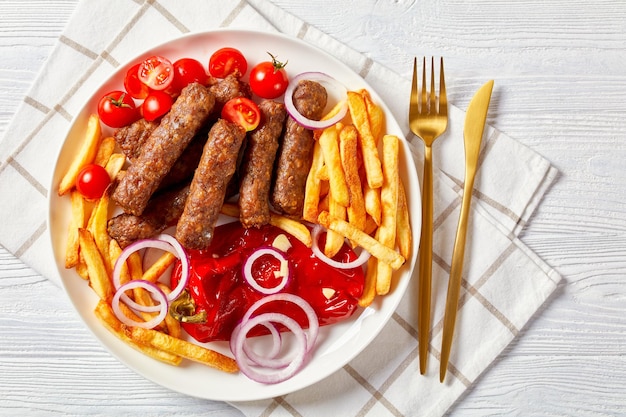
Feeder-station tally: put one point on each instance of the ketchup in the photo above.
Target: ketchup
(217, 286)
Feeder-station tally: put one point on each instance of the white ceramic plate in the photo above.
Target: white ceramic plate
(337, 344)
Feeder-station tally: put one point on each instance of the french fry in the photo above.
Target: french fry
(105, 150)
(77, 221)
(230, 210)
(293, 227)
(389, 201)
(86, 154)
(369, 287)
(313, 185)
(334, 240)
(372, 203)
(380, 251)
(329, 142)
(375, 115)
(97, 225)
(98, 276)
(183, 348)
(349, 161)
(404, 237)
(114, 164)
(369, 149)
(154, 272)
(114, 252)
(106, 316)
(174, 328)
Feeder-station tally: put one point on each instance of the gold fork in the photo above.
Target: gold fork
(428, 119)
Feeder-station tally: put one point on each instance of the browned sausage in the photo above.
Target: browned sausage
(296, 150)
(208, 186)
(161, 150)
(258, 163)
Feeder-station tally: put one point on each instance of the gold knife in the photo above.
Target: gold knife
(472, 132)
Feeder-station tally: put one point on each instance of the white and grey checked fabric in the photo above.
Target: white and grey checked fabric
(504, 282)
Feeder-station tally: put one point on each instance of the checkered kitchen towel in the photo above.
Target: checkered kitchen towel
(504, 282)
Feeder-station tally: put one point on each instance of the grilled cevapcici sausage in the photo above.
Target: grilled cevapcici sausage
(161, 150)
(258, 164)
(208, 186)
(296, 151)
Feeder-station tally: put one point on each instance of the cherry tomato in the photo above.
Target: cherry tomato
(269, 79)
(156, 105)
(242, 111)
(226, 61)
(117, 109)
(133, 84)
(92, 181)
(156, 72)
(187, 71)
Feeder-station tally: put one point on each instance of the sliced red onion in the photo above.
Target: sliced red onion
(299, 117)
(163, 242)
(153, 289)
(271, 376)
(247, 270)
(315, 233)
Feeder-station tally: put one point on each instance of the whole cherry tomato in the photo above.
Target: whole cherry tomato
(92, 181)
(227, 61)
(187, 71)
(133, 85)
(242, 111)
(156, 72)
(156, 105)
(117, 109)
(269, 79)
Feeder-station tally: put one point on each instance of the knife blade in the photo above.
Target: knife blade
(475, 119)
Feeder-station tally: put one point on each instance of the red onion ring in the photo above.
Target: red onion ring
(275, 375)
(299, 117)
(247, 270)
(363, 256)
(152, 288)
(163, 242)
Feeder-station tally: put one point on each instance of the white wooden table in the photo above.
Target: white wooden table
(560, 79)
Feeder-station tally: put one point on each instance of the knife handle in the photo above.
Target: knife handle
(454, 282)
(425, 261)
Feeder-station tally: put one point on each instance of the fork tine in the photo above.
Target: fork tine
(443, 99)
(424, 103)
(414, 101)
(432, 104)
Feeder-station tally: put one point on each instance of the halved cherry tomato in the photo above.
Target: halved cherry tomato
(269, 79)
(187, 71)
(156, 72)
(92, 181)
(133, 85)
(156, 105)
(226, 61)
(242, 111)
(117, 109)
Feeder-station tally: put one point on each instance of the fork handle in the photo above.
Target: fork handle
(425, 260)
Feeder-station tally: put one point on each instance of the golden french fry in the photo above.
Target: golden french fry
(369, 149)
(97, 225)
(370, 225)
(106, 316)
(349, 161)
(404, 237)
(154, 272)
(369, 287)
(76, 222)
(380, 251)
(86, 154)
(81, 266)
(322, 173)
(105, 150)
(114, 252)
(135, 266)
(174, 328)
(183, 348)
(312, 188)
(389, 201)
(372, 202)
(293, 227)
(114, 164)
(329, 142)
(98, 276)
(142, 297)
(334, 241)
(375, 115)
(336, 108)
